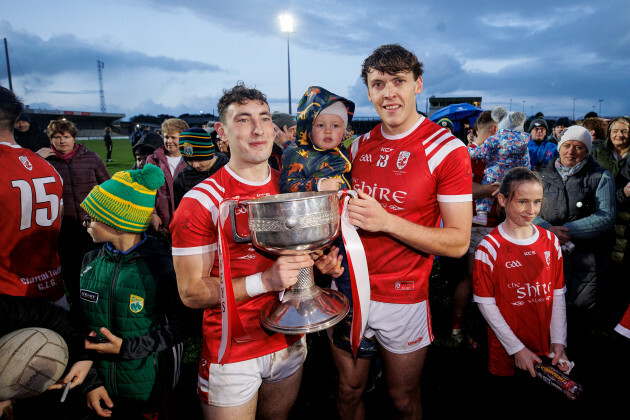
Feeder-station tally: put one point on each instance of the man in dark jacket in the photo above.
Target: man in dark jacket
(559, 128)
(197, 149)
(28, 135)
(285, 129)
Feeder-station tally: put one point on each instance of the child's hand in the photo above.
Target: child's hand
(112, 347)
(330, 263)
(156, 222)
(94, 398)
(560, 358)
(77, 374)
(525, 359)
(330, 184)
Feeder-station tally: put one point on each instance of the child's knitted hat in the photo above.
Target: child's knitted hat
(508, 120)
(337, 108)
(126, 201)
(196, 144)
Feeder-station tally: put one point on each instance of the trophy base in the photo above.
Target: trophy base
(302, 312)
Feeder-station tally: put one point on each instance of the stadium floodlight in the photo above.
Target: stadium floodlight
(287, 26)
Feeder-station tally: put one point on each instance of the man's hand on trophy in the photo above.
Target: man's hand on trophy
(368, 214)
(284, 272)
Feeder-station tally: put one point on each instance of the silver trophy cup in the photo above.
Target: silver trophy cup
(294, 224)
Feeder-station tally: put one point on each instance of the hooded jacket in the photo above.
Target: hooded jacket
(33, 139)
(303, 163)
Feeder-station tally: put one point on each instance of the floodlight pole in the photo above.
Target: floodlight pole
(287, 26)
(289, 70)
(6, 52)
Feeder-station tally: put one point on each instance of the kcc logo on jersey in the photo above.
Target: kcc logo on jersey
(27, 164)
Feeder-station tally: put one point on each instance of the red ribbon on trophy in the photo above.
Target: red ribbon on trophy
(231, 326)
(360, 279)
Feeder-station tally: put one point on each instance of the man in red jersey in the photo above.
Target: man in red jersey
(31, 205)
(259, 377)
(409, 173)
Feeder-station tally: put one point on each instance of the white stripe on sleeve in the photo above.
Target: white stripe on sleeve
(484, 258)
(502, 330)
(195, 250)
(454, 198)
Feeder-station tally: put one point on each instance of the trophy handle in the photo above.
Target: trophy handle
(351, 193)
(237, 238)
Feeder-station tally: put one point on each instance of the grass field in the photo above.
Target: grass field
(122, 156)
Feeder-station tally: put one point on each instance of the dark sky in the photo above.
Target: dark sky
(161, 58)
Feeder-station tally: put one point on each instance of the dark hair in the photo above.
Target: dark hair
(239, 94)
(483, 119)
(514, 177)
(10, 109)
(391, 59)
(596, 124)
(60, 127)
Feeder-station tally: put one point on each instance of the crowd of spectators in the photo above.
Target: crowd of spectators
(59, 188)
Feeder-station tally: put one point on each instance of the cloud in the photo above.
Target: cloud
(66, 53)
(545, 53)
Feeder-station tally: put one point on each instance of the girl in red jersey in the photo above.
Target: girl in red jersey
(518, 283)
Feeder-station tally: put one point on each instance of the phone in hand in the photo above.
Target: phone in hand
(96, 339)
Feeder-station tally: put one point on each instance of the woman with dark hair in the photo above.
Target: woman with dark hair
(80, 170)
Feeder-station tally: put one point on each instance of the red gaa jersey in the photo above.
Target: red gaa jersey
(521, 277)
(194, 231)
(623, 327)
(409, 174)
(30, 202)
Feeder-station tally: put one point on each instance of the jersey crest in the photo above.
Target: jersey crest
(403, 158)
(27, 163)
(136, 303)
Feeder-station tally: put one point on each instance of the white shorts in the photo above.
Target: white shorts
(400, 328)
(234, 384)
(476, 235)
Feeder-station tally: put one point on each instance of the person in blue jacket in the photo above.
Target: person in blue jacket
(541, 150)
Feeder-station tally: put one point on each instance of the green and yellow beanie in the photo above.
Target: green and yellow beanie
(196, 144)
(126, 201)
